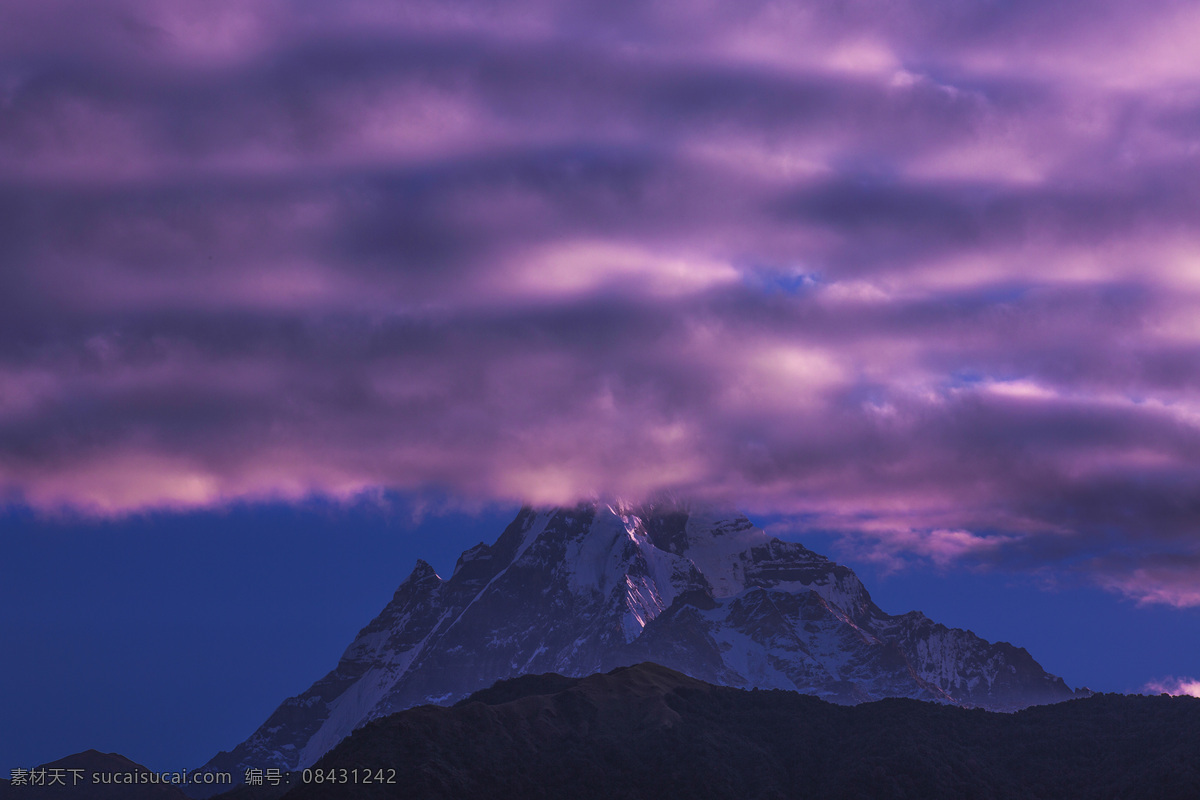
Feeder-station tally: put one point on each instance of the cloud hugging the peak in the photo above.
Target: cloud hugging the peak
(925, 273)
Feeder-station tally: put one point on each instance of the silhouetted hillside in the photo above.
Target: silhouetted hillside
(649, 732)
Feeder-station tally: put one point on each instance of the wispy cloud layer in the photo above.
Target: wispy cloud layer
(927, 275)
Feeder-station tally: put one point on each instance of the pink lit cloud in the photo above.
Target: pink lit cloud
(930, 279)
(1167, 580)
(1174, 686)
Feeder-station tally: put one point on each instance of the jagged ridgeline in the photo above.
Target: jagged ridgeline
(582, 590)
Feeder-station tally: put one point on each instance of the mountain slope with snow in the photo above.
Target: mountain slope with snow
(587, 589)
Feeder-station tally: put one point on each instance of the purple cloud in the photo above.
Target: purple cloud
(929, 279)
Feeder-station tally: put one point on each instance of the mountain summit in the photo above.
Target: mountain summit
(587, 589)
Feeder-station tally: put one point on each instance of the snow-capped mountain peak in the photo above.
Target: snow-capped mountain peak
(586, 589)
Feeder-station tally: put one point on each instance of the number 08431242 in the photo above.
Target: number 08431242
(343, 775)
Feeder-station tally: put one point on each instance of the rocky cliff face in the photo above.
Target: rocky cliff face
(586, 589)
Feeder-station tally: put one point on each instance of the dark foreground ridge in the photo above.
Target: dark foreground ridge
(650, 732)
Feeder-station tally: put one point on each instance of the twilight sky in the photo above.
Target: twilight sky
(921, 277)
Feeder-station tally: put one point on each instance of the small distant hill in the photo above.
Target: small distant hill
(76, 773)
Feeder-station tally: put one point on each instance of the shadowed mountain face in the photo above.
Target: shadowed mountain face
(649, 732)
(586, 589)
